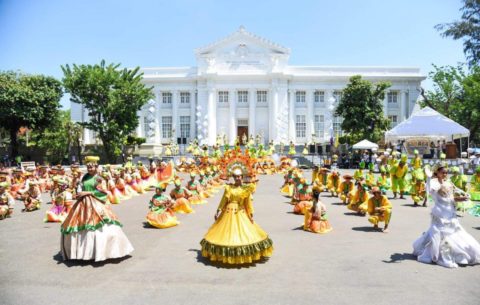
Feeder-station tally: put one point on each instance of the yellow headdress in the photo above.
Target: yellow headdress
(91, 159)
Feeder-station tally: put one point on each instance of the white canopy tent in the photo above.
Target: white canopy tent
(365, 144)
(427, 123)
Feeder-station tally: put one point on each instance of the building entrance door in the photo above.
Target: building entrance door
(241, 131)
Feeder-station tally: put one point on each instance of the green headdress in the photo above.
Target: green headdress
(362, 164)
(371, 166)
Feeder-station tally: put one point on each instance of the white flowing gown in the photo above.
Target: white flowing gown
(445, 242)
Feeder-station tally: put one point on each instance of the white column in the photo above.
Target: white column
(402, 106)
(252, 105)
(158, 121)
(272, 113)
(212, 117)
(291, 117)
(175, 103)
(232, 120)
(328, 122)
(309, 116)
(193, 114)
(202, 104)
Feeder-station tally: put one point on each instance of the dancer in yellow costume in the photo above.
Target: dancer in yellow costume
(416, 162)
(291, 150)
(399, 173)
(359, 202)
(333, 182)
(235, 238)
(379, 209)
(358, 173)
(370, 176)
(419, 193)
(316, 219)
(345, 189)
(475, 185)
(161, 214)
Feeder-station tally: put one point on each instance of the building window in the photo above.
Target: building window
(184, 97)
(319, 125)
(146, 128)
(166, 97)
(185, 126)
(242, 122)
(319, 97)
(337, 95)
(166, 127)
(223, 97)
(261, 96)
(300, 96)
(392, 97)
(300, 126)
(393, 120)
(337, 126)
(242, 96)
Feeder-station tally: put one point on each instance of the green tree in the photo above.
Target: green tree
(112, 97)
(468, 29)
(30, 101)
(456, 94)
(361, 107)
(54, 140)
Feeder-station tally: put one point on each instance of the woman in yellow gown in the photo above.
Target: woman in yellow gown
(235, 238)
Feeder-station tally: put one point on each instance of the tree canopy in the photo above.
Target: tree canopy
(112, 97)
(361, 107)
(55, 140)
(30, 101)
(456, 94)
(468, 29)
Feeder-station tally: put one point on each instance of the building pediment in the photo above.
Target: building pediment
(241, 52)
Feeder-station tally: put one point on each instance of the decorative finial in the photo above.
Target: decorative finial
(241, 28)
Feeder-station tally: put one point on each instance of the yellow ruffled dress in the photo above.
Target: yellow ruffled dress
(234, 238)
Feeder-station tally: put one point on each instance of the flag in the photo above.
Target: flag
(336, 140)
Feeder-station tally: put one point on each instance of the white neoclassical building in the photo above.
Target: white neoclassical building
(243, 84)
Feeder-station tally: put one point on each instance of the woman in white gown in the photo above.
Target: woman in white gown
(446, 242)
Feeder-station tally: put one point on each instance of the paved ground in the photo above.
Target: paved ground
(350, 265)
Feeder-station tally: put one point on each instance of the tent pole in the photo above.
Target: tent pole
(460, 147)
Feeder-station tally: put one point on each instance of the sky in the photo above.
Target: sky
(39, 36)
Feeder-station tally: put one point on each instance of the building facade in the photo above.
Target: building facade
(243, 84)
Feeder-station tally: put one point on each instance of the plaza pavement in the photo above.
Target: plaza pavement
(350, 265)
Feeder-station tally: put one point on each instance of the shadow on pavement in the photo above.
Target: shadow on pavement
(81, 263)
(146, 225)
(219, 265)
(366, 229)
(300, 228)
(338, 203)
(353, 214)
(399, 257)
